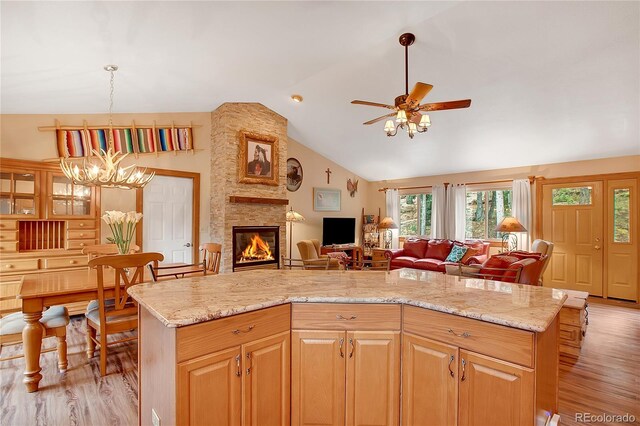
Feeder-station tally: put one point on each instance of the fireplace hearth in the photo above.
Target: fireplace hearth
(256, 247)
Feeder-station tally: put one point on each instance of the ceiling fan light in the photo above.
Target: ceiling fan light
(425, 121)
(389, 126)
(412, 127)
(401, 117)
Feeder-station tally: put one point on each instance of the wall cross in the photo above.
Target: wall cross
(328, 172)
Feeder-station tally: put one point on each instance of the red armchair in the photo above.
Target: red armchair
(430, 254)
(514, 267)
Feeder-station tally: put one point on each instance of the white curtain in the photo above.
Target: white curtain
(438, 211)
(393, 211)
(456, 203)
(521, 210)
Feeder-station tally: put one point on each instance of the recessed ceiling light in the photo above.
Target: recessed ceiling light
(296, 98)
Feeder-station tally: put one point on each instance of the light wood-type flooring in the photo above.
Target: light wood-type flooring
(604, 380)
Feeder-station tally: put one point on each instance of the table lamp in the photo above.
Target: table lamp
(292, 216)
(508, 226)
(387, 224)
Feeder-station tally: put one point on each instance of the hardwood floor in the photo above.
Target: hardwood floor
(604, 380)
(79, 396)
(606, 377)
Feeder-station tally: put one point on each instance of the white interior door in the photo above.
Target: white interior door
(168, 214)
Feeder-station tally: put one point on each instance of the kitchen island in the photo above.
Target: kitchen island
(346, 347)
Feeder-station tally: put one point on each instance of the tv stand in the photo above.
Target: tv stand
(352, 250)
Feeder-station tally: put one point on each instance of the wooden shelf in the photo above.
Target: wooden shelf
(258, 200)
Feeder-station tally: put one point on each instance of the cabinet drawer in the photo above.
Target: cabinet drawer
(211, 336)
(19, 265)
(8, 235)
(506, 343)
(8, 246)
(81, 224)
(65, 262)
(79, 244)
(573, 312)
(378, 254)
(82, 233)
(8, 224)
(345, 316)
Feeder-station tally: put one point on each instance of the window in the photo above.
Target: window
(621, 215)
(415, 214)
(485, 210)
(571, 196)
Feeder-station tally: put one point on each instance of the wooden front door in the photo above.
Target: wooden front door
(572, 218)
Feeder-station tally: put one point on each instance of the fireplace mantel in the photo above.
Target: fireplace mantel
(258, 200)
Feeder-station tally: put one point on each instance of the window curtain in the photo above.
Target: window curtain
(438, 211)
(521, 210)
(393, 211)
(456, 204)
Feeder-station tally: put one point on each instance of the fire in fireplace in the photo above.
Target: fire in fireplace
(256, 246)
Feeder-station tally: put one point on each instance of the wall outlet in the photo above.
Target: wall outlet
(155, 420)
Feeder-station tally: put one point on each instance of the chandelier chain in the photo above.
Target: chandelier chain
(111, 86)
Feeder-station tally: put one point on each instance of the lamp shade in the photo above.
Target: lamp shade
(510, 224)
(387, 223)
(294, 216)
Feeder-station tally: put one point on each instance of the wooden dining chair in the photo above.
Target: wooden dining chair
(211, 254)
(106, 319)
(54, 322)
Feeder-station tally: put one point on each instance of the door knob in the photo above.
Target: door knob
(188, 245)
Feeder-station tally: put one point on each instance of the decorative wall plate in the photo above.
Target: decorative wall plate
(294, 174)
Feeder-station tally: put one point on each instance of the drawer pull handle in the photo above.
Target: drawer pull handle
(464, 363)
(352, 348)
(81, 225)
(352, 317)
(451, 358)
(250, 363)
(73, 262)
(341, 343)
(465, 334)
(9, 266)
(238, 371)
(238, 331)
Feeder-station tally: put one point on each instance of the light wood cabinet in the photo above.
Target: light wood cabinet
(342, 375)
(494, 392)
(232, 371)
(68, 200)
(429, 382)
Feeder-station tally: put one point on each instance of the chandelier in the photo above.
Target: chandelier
(391, 128)
(104, 168)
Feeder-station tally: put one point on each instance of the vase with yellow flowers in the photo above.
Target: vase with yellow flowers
(123, 226)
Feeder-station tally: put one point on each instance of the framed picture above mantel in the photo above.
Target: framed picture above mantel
(258, 159)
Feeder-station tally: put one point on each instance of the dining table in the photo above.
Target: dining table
(39, 291)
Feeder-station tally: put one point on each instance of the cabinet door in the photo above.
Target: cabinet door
(210, 389)
(429, 382)
(373, 378)
(494, 392)
(19, 193)
(67, 200)
(317, 377)
(266, 381)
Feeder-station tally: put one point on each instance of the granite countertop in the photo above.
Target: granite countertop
(186, 301)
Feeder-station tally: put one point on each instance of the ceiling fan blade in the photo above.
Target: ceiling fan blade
(375, 104)
(439, 106)
(419, 91)
(375, 120)
(415, 117)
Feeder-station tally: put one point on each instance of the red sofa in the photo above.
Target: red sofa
(430, 254)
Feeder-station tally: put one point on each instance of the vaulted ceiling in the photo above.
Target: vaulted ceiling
(550, 81)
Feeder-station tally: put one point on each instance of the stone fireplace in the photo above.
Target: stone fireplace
(235, 204)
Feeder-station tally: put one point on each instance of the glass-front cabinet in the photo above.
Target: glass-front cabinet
(19, 192)
(66, 199)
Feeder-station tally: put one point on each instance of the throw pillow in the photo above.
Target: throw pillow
(471, 251)
(456, 254)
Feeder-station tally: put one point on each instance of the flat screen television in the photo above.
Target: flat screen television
(338, 230)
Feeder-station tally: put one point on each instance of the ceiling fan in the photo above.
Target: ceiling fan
(407, 108)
